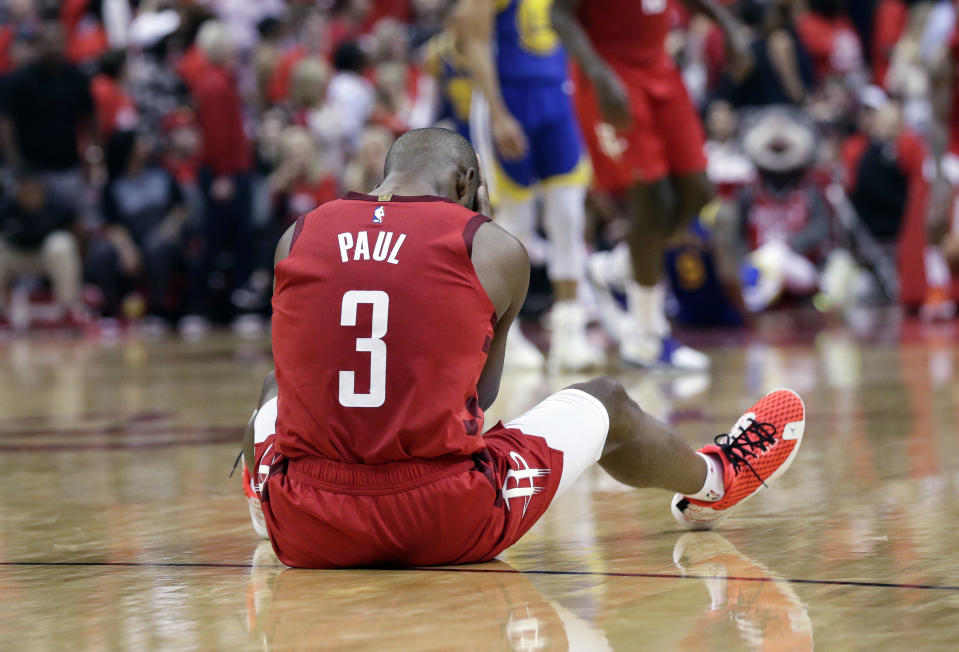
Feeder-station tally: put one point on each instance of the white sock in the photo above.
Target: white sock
(647, 308)
(714, 488)
(937, 271)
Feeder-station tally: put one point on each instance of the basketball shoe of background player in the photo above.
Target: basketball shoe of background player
(609, 275)
(253, 501)
(570, 348)
(757, 450)
(652, 350)
(521, 354)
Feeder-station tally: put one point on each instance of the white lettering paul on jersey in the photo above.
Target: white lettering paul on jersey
(522, 476)
(357, 247)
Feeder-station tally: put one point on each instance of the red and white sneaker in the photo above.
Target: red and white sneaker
(757, 450)
(253, 501)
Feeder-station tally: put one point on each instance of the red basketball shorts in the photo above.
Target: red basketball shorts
(422, 512)
(666, 136)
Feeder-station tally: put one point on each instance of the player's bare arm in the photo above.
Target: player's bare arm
(613, 101)
(502, 265)
(472, 24)
(269, 389)
(740, 60)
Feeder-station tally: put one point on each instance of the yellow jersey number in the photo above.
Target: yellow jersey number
(536, 33)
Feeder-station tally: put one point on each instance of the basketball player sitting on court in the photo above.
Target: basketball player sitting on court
(390, 315)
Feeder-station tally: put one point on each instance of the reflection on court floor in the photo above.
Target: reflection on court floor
(120, 528)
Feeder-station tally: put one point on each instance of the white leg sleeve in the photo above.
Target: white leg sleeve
(519, 218)
(564, 218)
(571, 421)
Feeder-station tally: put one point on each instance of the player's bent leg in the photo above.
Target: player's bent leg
(692, 191)
(573, 422)
(564, 218)
(651, 206)
(640, 450)
(257, 444)
(646, 340)
(517, 215)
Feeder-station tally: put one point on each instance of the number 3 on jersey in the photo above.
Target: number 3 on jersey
(374, 345)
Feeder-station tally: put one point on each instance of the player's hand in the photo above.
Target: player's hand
(739, 57)
(131, 261)
(613, 100)
(508, 136)
(222, 189)
(482, 203)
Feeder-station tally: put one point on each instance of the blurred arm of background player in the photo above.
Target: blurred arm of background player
(472, 24)
(939, 227)
(739, 59)
(613, 100)
(941, 75)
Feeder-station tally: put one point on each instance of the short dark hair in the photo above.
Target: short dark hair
(431, 146)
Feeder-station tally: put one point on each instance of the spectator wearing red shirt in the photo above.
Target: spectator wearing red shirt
(115, 108)
(191, 66)
(313, 40)
(830, 39)
(7, 35)
(889, 22)
(19, 26)
(225, 163)
(889, 189)
(16, 20)
(86, 38)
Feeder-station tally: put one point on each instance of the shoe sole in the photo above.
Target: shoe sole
(256, 516)
(778, 472)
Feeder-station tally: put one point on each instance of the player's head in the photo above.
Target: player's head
(438, 157)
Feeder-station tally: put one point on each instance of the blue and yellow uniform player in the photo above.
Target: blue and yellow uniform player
(447, 65)
(522, 106)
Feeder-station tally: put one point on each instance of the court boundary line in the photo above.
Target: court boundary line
(666, 576)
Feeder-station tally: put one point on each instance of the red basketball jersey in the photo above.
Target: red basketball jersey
(627, 31)
(380, 332)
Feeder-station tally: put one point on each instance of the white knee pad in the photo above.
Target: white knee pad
(564, 218)
(519, 218)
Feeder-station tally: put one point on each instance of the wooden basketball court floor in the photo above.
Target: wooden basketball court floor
(120, 530)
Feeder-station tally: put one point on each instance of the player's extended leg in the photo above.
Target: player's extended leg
(259, 430)
(641, 451)
(564, 219)
(564, 173)
(517, 214)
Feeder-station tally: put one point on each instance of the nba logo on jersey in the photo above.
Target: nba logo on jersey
(521, 475)
(378, 215)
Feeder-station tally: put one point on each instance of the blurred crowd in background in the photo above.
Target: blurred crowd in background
(153, 152)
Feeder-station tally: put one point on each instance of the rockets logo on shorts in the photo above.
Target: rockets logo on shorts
(522, 476)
